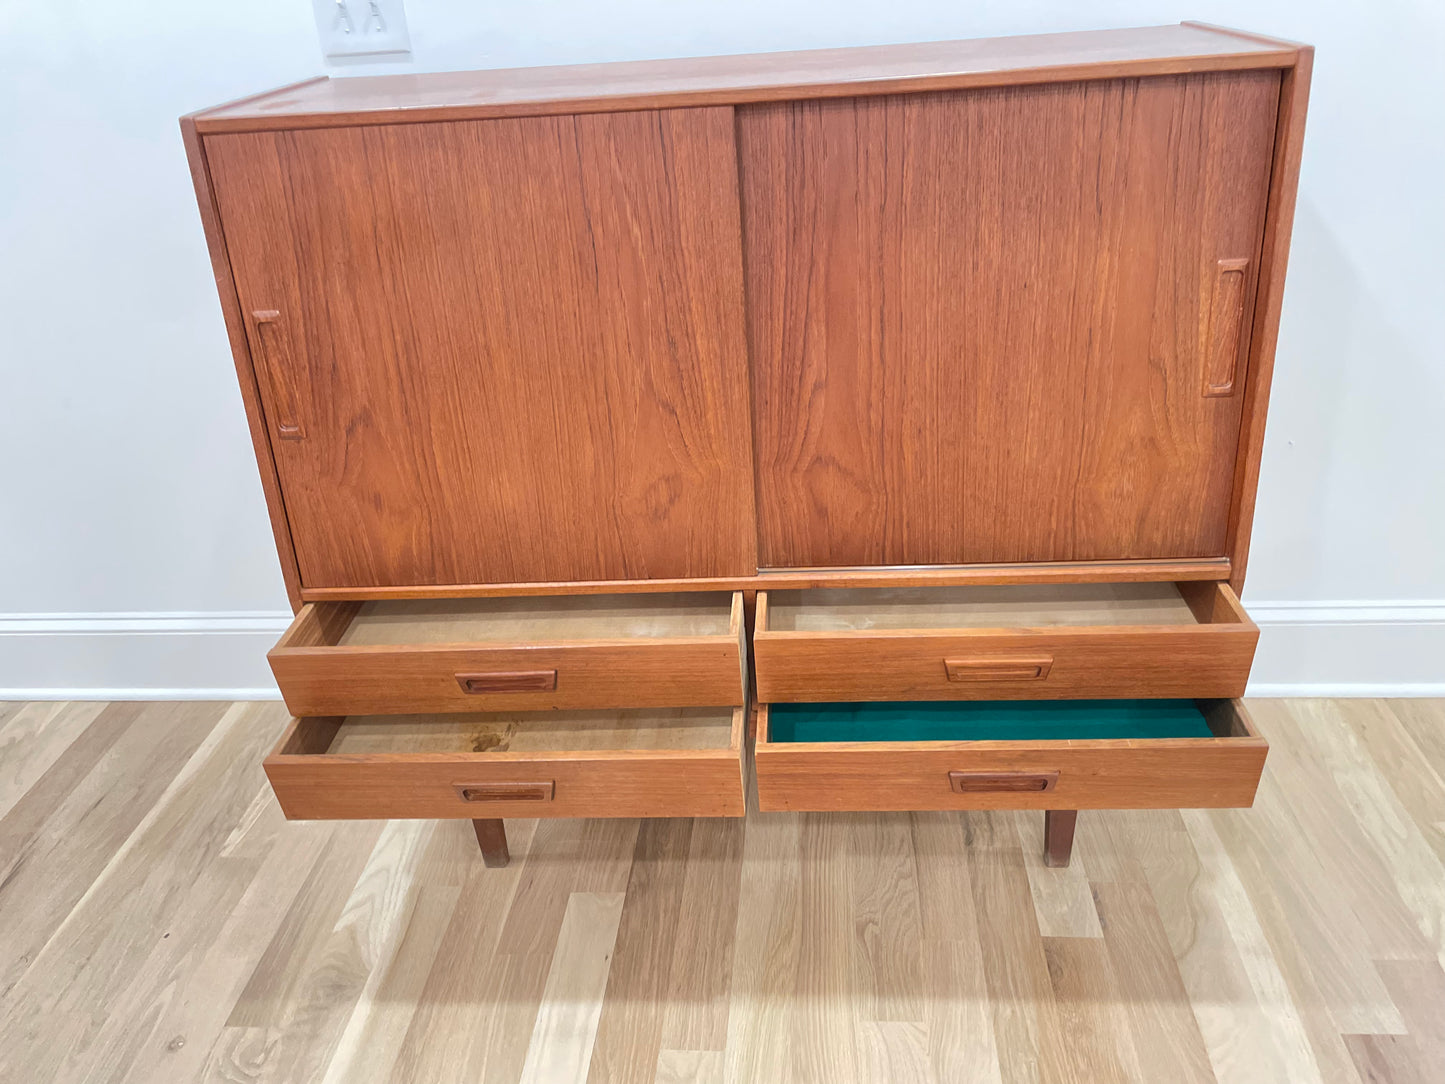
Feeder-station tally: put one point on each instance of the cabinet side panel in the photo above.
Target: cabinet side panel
(500, 351)
(1274, 257)
(980, 321)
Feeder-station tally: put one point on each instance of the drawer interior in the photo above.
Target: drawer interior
(1001, 720)
(635, 762)
(409, 656)
(1058, 754)
(533, 619)
(662, 729)
(1008, 606)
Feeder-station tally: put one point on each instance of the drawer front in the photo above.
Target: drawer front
(1168, 773)
(311, 784)
(321, 678)
(1077, 662)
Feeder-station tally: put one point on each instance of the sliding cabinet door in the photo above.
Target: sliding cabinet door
(1003, 325)
(501, 350)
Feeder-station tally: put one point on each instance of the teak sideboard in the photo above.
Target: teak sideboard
(887, 418)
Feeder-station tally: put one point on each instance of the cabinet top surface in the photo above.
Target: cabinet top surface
(756, 77)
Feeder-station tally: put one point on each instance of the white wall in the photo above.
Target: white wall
(134, 547)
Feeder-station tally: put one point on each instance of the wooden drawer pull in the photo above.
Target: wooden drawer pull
(509, 681)
(1223, 323)
(280, 372)
(997, 782)
(1000, 668)
(506, 792)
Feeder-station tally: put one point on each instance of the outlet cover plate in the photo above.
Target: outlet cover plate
(361, 27)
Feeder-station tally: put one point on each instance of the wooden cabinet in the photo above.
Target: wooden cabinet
(947, 363)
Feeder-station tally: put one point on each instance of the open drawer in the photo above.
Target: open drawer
(1015, 642)
(652, 762)
(512, 654)
(1131, 754)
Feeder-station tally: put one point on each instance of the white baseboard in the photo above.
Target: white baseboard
(138, 656)
(1352, 648)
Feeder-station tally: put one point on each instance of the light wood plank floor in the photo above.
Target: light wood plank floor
(160, 922)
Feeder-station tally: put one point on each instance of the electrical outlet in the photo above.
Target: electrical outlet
(361, 27)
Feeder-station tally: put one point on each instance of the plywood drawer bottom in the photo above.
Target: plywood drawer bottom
(660, 762)
(1154, 755)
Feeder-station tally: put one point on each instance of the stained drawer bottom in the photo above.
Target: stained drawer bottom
(1068, 754)
(657, 762)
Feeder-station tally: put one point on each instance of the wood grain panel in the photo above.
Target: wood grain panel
(877, 69)
(1012, 661)
(514, 348)
(1111, 662)
(692, 670)
(1097, 774)
(975, 318)
(608, 782)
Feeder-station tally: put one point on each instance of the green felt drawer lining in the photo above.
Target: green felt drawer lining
(986, 720)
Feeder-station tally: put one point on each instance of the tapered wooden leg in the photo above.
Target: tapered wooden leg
(1058, 835)
(492, 838)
